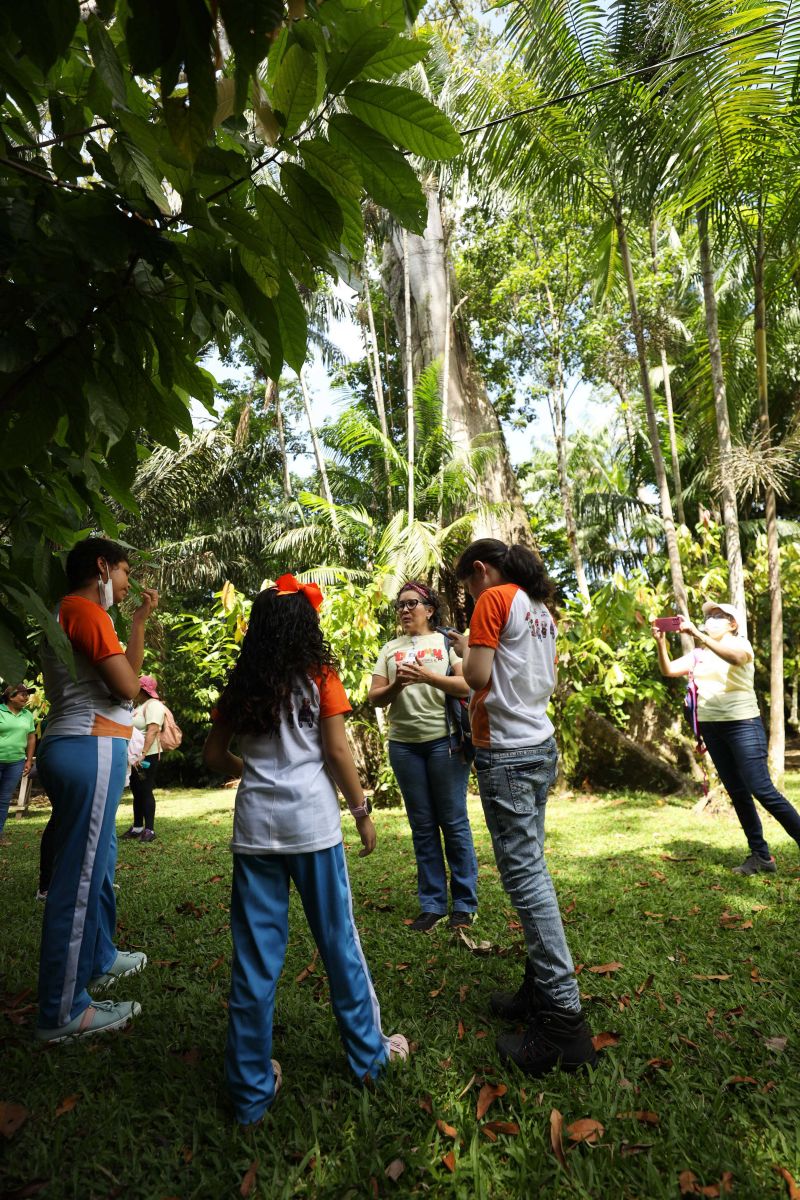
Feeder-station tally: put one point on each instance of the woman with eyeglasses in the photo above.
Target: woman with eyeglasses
(413, 676)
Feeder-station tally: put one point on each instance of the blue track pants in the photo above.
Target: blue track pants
(84, 778)
(260, 929)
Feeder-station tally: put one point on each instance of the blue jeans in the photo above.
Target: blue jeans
(514, 786)
(738, 750)
(434, 787)
(10, 775)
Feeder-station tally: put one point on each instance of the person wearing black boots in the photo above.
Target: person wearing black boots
(508, 658)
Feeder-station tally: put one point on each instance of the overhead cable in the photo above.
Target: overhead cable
(607, 83)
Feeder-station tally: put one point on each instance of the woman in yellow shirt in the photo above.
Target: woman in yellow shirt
(728, 719)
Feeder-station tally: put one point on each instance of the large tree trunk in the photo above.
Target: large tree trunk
(376, 376)
(777, 731)
(469, 410)
(673, 552)
(730, 514)
(557, 403)
(408, 358)
(673, 440)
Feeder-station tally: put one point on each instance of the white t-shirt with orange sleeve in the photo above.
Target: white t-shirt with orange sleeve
(84, 706)
(511, 711)
(286, 802)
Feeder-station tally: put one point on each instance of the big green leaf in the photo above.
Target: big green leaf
(399, 55)
(36, 607)
(294, 243)
(404, 117)
(341, 177)
(263, 270)
(294, 92)
(292, 321)
(106, 60)
(387, 176)
(12, 664)
(313, 203)
(347, 64)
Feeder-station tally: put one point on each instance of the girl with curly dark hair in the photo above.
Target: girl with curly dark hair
(285, 704)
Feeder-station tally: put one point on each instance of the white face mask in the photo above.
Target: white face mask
(717, 627)
(106, 589)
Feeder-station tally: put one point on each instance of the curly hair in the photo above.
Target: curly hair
(283, 643)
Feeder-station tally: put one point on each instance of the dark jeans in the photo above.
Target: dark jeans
(142, 784)
(514, 785)
(10, 775)
(738, 750)
(434, 786)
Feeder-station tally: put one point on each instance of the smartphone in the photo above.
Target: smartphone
(668, 624)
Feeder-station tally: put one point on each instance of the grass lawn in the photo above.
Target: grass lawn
(642, 883)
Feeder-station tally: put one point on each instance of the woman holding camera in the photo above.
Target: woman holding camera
(729, 722)
(413, 676)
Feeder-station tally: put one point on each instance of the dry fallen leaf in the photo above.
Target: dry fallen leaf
(493, 1128)
(464, 1090)
(659, 1064)
(605, 968)
(67, 1104)
(644, 986)
(438, 991)
(629, 1148)
(556, 1126)
(249, 1179)
(395, 1169)
(449, 1160)
(585, 1130)
(487, 1095)
(776, 1043)
(601, 1040)
(740, 1079)
(446, 1130)
(217, 963)
(309, 970)
(461, 1031)
(426, 1104)
(712, 977)
(788, 1178)
(644, 1115)
(12, 1117)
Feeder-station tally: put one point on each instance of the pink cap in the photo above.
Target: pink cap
(148, 684)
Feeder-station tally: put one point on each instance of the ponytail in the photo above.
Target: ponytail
(516, 563)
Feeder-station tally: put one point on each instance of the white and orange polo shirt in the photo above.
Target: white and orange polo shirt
(84, 706)
(511, 711)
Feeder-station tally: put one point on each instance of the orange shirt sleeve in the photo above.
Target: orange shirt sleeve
(89, 629)
(332, 696)
(490, 616)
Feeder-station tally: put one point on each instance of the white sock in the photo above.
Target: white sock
(137, 828)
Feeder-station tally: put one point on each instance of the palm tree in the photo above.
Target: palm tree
(584, 151)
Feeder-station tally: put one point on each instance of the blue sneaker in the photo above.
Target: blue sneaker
(126, 963)
(102, 1016)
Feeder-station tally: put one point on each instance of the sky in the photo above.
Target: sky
(587, 411)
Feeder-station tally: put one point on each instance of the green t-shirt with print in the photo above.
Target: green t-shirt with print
(419, 713)
(14, 731)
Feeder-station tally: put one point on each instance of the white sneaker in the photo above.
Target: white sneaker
(398, 1047)
(126, 963)
(102, 1016)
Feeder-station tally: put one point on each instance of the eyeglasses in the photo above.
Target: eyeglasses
(409, 604)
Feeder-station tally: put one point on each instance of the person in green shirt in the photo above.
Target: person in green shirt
(17, 744)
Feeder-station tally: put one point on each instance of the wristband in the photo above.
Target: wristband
(363, 810)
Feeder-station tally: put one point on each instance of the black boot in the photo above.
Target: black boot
(554, 1038)
(520, 1005)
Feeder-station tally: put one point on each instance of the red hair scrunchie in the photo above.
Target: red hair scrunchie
(287, 585)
